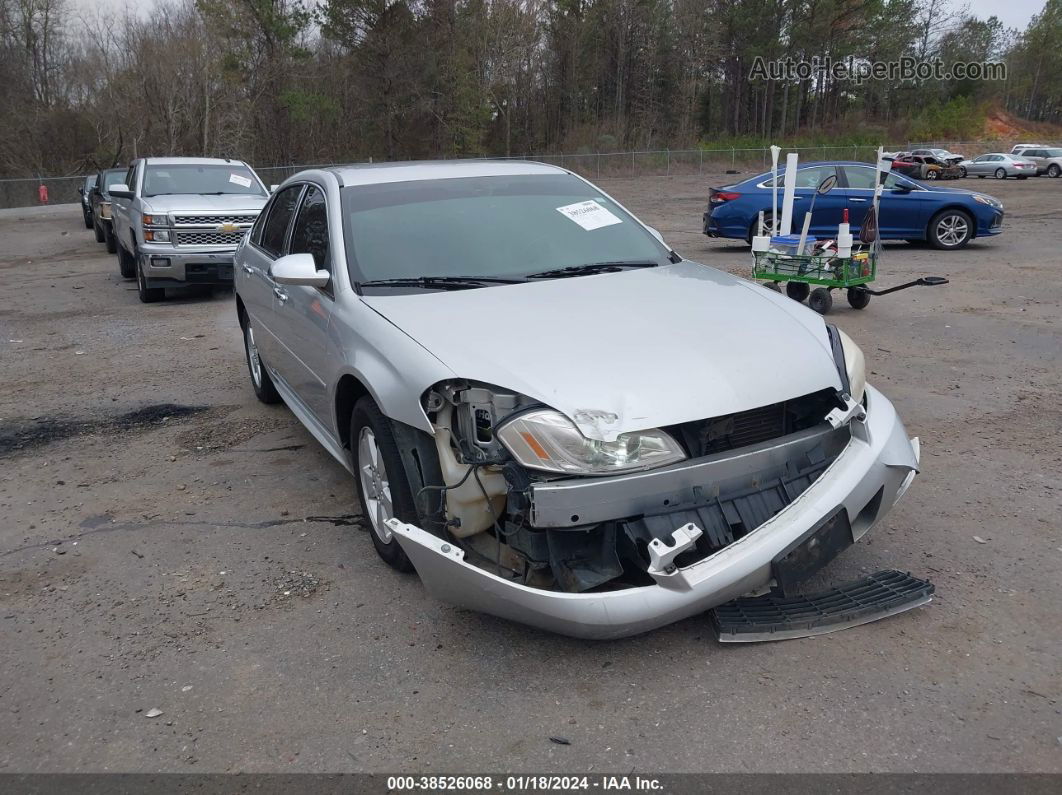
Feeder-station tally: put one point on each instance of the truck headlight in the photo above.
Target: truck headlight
(157, 235)
(545, 439)
(855, 366)
(156, 220)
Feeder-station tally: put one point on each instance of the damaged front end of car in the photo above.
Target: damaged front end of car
(562, 523)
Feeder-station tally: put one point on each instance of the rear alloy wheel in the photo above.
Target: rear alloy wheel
(260, 380)
(147, 295)
(1001, 173)
(820, 300)
(951, 229)
(1054, 170)
(381, 480)
(798, 291)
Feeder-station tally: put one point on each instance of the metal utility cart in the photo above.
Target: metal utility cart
(828, 272)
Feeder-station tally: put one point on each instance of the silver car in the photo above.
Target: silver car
(548, 413)
(1048, 160)
(999, 165)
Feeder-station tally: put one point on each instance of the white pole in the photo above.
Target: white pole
(775, 150)
(791, 161)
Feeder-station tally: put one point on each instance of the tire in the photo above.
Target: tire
(99, 233)
(1001, 173)
(820, 300)
(110, 240)
(755, 225)
(962, 172)
(260, 380)
(147, 295)
(1054, 170)
(950, 230)
(88, 219)
(798, 291)
(382, 474)
(858, 298)
(931, 175)
(126, 262)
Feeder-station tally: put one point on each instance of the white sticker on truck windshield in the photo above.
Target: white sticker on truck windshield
(589, 215)
(238, 180)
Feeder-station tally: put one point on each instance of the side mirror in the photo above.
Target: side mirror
(298, 269)
(901, 188)
(81, 189)
(656, 233)
(121, 190)
(273, 188)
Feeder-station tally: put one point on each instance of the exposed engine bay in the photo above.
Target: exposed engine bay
(705, 484)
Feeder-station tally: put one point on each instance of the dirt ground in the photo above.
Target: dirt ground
(170, 543)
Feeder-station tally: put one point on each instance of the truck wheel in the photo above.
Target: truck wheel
(798, 291)
(109, 239)
(820, 300)
(950, 229)
(260, 380)
(99, 232)
(147, 295)
(126, 262)
(381, 480)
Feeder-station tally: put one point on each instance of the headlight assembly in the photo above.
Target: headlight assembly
(545, 439)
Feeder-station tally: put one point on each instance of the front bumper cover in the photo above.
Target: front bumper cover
(866, 479)
(171, 265)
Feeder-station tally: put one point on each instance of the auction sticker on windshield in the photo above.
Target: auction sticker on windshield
(589, 215)
(238, 180)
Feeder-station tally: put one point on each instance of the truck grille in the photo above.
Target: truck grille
(212, 220)
(209, 238)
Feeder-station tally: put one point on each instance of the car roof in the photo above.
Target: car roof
(377, 173)
(193, 161)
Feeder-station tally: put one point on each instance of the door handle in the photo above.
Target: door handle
(247, 268)
(854, 199)
(283, 296)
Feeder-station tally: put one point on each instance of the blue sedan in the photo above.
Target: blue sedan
(946, 217)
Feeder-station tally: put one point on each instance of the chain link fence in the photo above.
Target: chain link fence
(23, 192)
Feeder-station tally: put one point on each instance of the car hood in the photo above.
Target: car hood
(195, 202)
(626, 351)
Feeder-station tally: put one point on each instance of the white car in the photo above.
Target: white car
(548, 413)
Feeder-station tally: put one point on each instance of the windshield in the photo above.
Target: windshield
(160, 180)
(114, 176)
(501, 227)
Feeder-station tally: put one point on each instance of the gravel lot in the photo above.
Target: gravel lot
(169, 543)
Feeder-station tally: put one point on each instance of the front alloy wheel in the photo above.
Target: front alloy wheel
(950, 230)
(1054, 170)
(375, 484)
(1001, 173)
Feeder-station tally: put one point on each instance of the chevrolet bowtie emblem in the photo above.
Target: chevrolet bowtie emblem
(228, 228)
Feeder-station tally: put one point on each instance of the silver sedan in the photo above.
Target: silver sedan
(548, 413)
(999, 165)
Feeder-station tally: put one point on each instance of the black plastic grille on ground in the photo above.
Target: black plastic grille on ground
(769, 617)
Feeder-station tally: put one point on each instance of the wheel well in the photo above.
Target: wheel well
(349, 391)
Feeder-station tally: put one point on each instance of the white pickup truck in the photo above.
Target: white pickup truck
(178, 220)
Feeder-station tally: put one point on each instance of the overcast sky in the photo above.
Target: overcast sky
(1012, 13)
